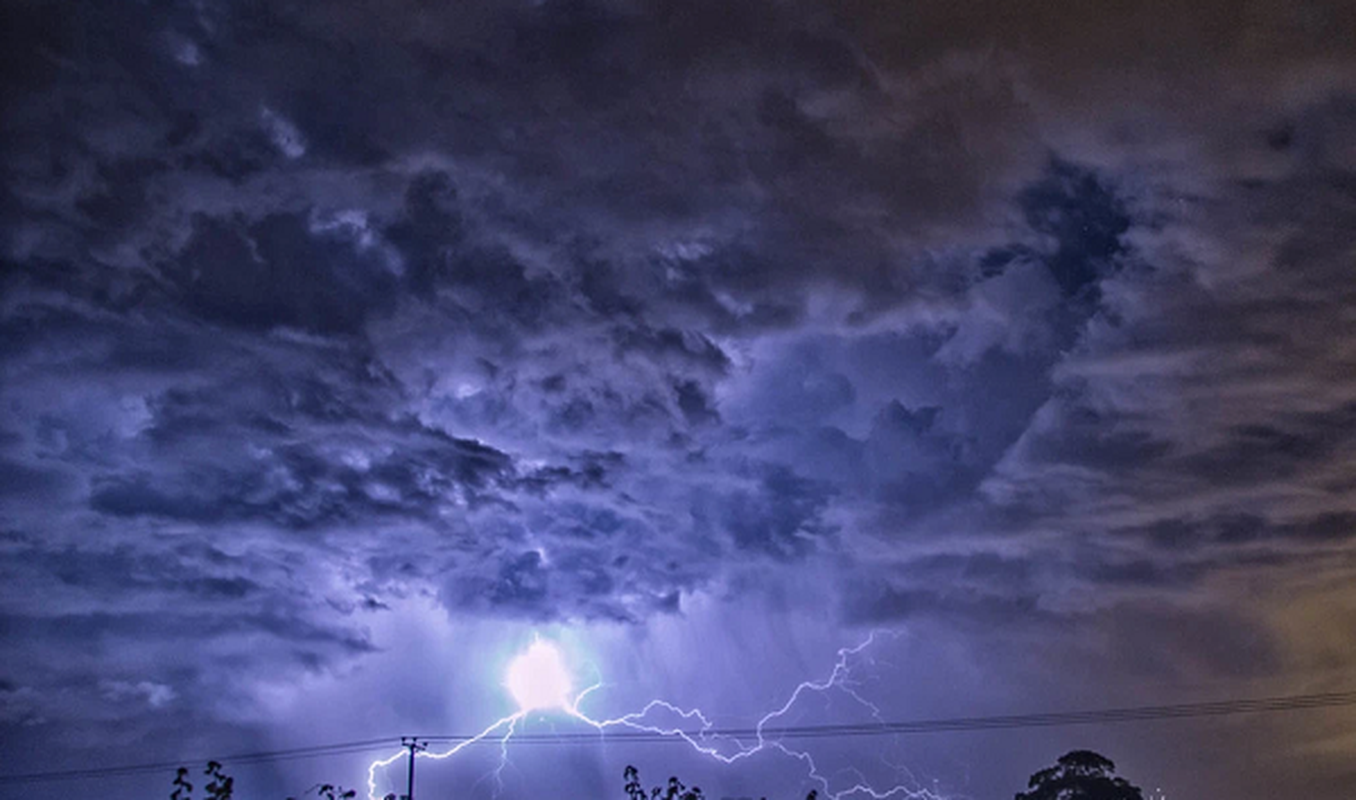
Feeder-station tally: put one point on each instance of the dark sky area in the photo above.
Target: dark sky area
(346, 347)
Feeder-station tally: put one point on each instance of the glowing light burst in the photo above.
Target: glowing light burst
(538, 680)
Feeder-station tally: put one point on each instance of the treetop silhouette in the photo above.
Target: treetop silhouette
(1080, 775)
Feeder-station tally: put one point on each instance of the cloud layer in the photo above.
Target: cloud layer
(1031, 326)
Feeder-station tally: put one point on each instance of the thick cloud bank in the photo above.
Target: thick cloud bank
(1032, 327)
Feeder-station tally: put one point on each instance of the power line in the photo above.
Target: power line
(943, 725)
(1099, 716)
(264, 757)
(940, 725)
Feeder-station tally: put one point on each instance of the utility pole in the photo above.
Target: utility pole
(413, 745)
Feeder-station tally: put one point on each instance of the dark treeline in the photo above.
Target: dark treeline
(1077, 775)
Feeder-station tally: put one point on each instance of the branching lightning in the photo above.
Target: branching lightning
(538, 680)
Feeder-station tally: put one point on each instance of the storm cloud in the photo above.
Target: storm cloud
(1028, 327)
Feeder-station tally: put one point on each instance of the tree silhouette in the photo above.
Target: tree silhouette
(1080, 775)
(333, 791)
(220, 786)
(183, 790)
(674, 791)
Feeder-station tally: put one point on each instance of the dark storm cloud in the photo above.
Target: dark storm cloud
(1083, 218)
(264, 275)
(998, 318)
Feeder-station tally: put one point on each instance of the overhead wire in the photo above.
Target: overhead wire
(262, 757)
(710, 735)
(943, 725)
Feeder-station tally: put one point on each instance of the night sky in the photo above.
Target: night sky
(348, 348)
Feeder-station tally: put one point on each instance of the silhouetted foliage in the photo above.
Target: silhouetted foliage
(674, 791)
(220, 786)
(1080, 775)
(183, 790)
(333, 791)
(632, 787)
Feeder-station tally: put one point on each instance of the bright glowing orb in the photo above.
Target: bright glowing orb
(537, 678)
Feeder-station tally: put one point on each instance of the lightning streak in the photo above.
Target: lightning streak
(722, 748)
(507, 724)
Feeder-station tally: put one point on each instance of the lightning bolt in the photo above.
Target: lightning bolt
(722, 748)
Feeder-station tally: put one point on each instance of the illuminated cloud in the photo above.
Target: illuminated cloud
(712, 335)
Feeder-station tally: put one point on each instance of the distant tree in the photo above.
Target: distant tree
(1080, 775)
(183, 790)
(674, 791)
(220, 786)
(333, 791)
